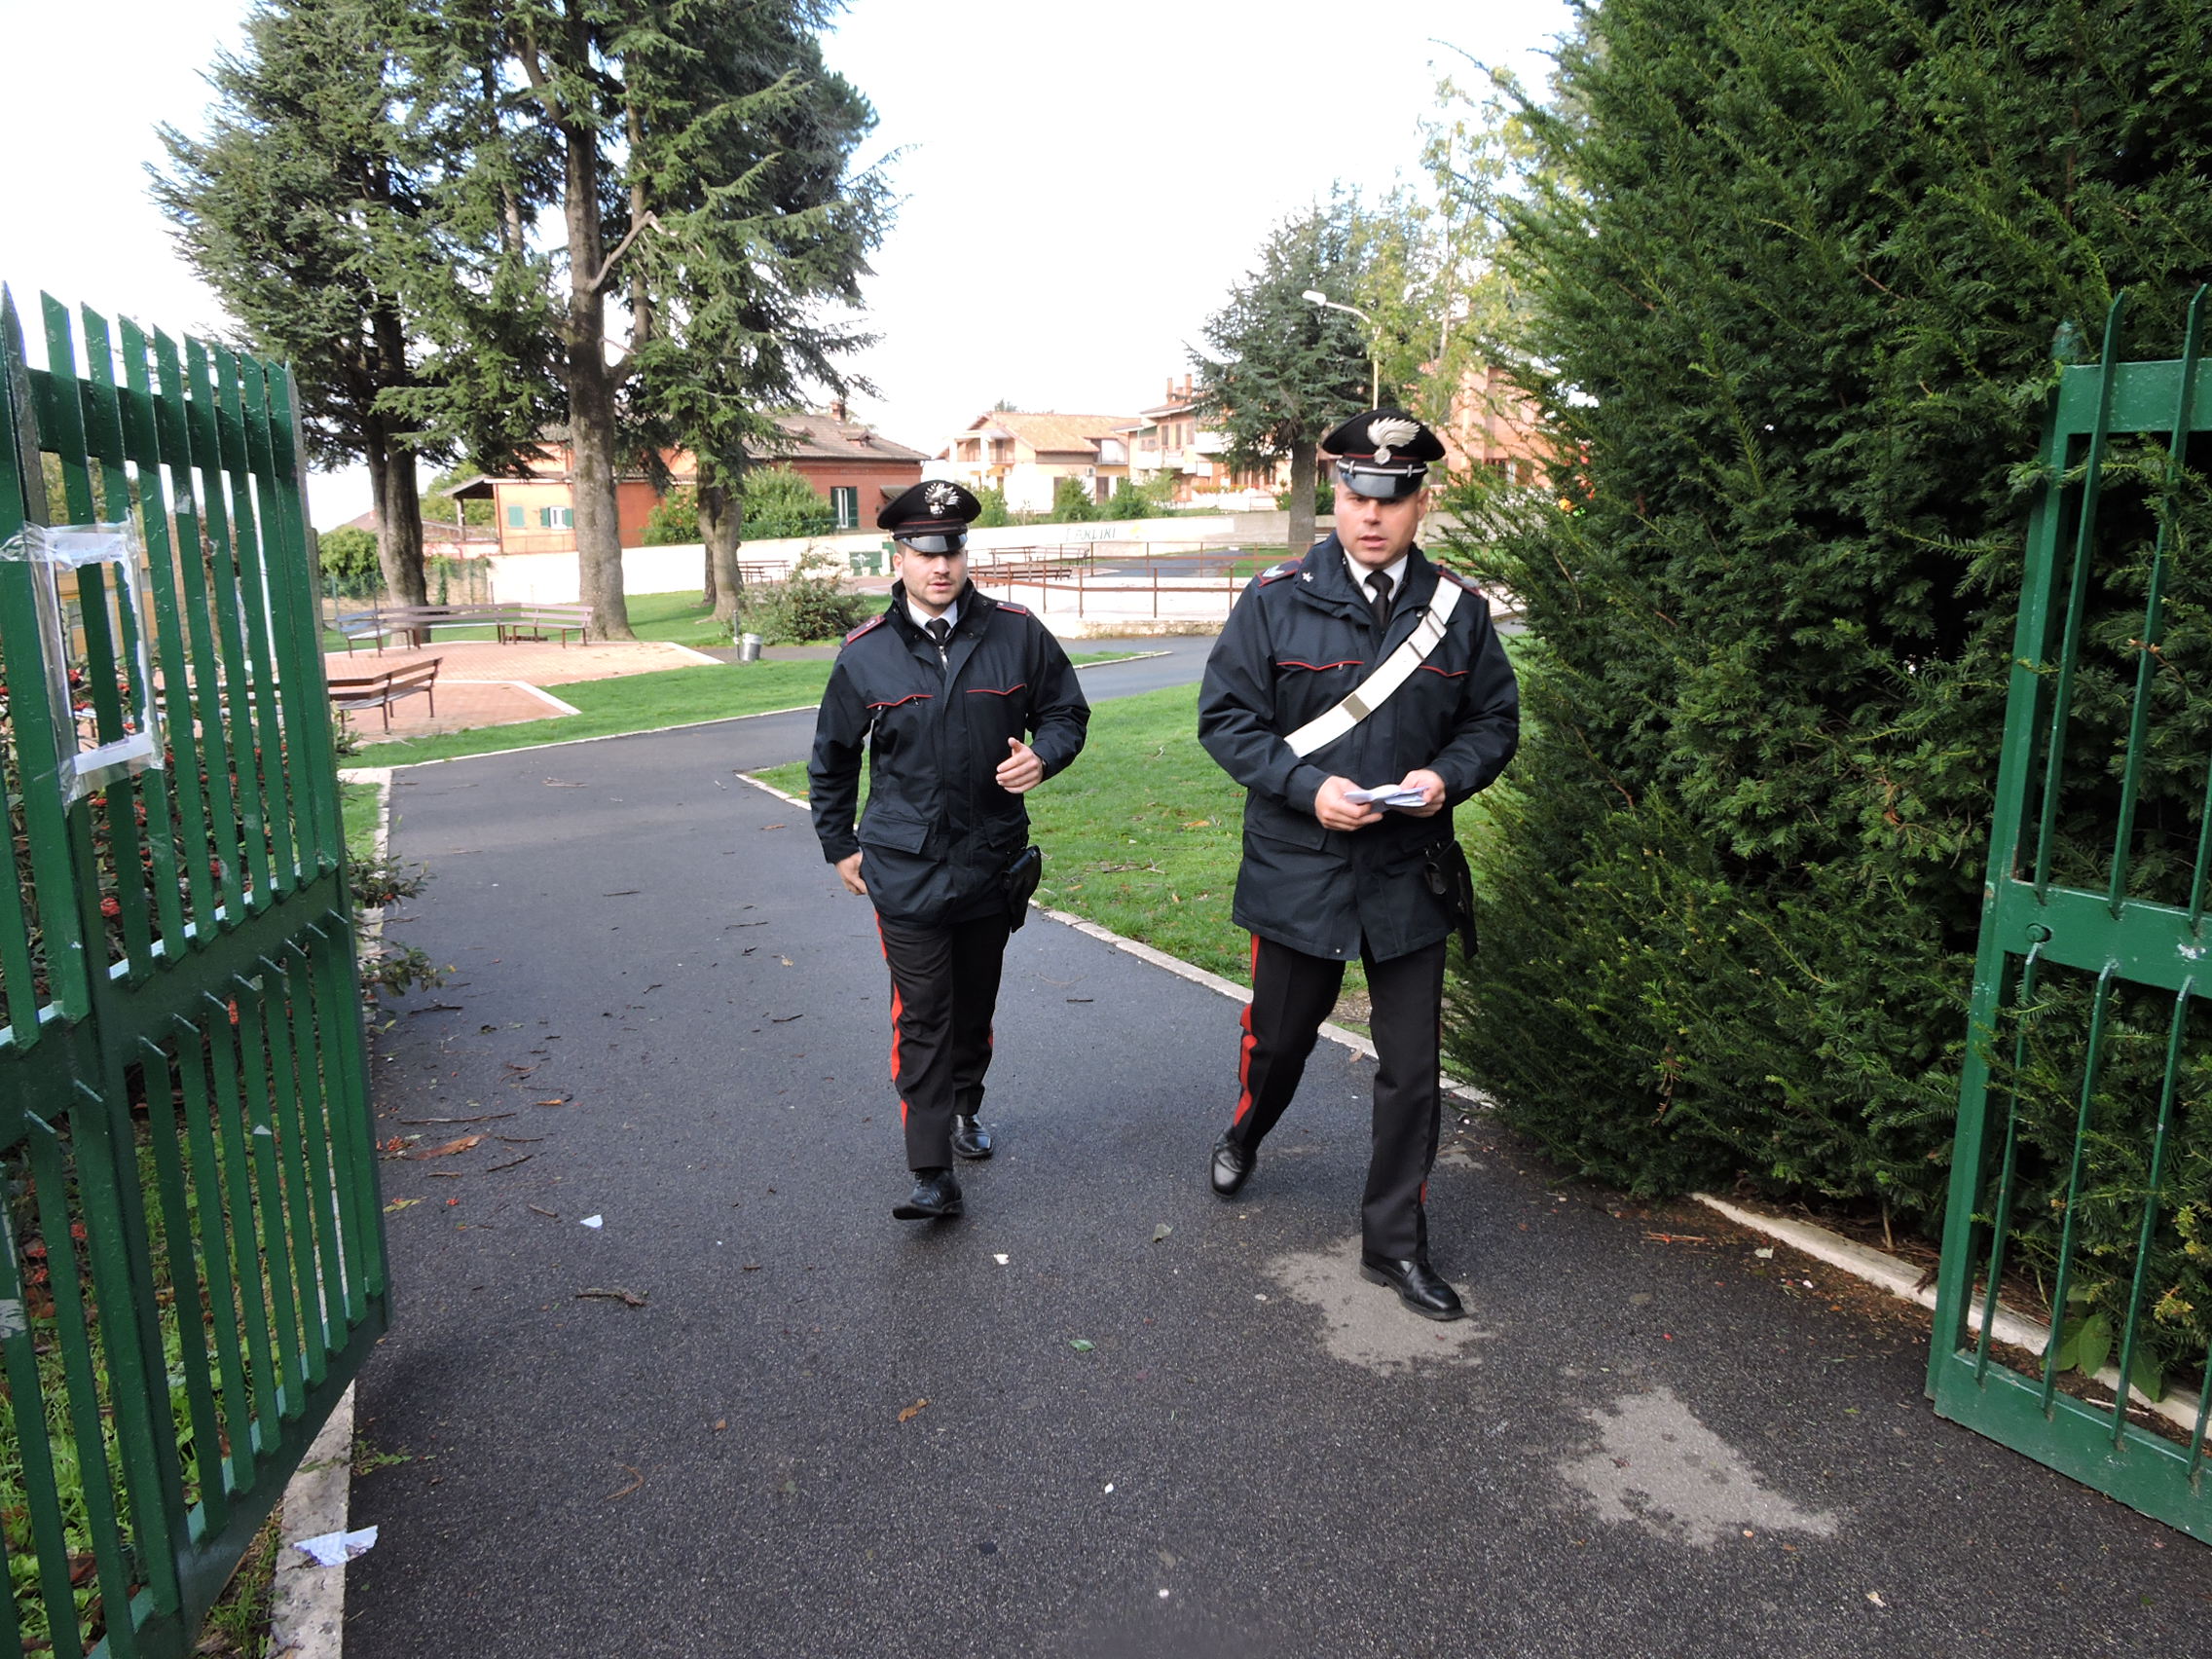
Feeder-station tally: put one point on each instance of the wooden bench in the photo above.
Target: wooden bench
(526, 621)
(350, 693)
(508, 621)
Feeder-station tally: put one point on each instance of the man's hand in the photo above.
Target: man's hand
(849, 873)
(1336, 813)
(1021, 771)
(1431, 788)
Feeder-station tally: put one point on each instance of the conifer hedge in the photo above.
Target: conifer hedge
(1793, 275)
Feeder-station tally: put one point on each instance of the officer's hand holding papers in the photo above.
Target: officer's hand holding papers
(1390, 795)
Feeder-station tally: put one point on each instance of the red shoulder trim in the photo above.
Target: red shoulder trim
(1276, 572)
(876, 622)
(1455, 577)
(1009, 605)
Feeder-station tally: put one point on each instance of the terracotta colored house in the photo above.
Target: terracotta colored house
(1493, 425)
(1026, 453)
(852, 468)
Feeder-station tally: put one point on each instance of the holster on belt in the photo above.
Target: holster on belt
(1451, 881)
(1019, 881)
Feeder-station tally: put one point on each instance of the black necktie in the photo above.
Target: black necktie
(1379, 585)
(939, 630)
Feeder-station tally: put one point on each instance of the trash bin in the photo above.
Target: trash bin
(749, 647)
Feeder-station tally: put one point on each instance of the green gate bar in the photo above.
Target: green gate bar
(2048, 945)
(192, 1260)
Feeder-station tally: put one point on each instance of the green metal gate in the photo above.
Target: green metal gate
(2081, 1177)
(191, 1264)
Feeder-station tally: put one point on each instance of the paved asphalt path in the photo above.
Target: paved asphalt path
(1050, 1428)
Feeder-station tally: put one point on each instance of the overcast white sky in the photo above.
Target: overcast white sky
(1079, 183)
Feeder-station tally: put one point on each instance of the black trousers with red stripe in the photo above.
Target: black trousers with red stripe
(1292, 994)
(944, 989)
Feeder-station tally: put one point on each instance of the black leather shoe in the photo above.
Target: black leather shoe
(935, 1198)
(1419, 1285)
(1233, 1166)
(970, 1139)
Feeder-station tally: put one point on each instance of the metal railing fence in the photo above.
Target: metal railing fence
(191, 1250)
(2085, 1124)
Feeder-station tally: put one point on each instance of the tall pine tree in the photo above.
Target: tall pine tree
(304, 208)
(707, 223)
(1279, 371)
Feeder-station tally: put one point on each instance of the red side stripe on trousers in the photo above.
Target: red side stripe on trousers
(1246, 1045)
(895, 1008)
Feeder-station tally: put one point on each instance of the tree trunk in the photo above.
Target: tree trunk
(591, 396)
(399, 516)
(399, 529)
(1300, 496)
(707, 575)
(719, 530)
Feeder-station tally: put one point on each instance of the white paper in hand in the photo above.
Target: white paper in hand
(1390, 795)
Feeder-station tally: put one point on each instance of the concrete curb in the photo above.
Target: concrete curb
(307, 1605)
(1901, 1281)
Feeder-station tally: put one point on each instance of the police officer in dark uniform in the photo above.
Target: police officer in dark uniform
(1360, 667)
(942, 690)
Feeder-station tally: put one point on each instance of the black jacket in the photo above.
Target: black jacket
(1300, 638)
(938, 827)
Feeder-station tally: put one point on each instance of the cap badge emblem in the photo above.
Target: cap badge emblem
(938, 496)
(1391, 432)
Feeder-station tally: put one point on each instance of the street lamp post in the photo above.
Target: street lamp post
(1315, 296)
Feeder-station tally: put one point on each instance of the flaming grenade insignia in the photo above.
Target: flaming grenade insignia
(1387, 433)
(939, 496)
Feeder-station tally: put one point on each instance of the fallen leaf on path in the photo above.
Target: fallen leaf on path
(492, 1169)
(636, 1480)
(628, 1298)
(518, 1066)
(557, 1100)
(914, 1411)
(767, 827)
(398, 1204)
(1765, 1255)
(785, 1018)
(787, 961)
(1160, 1232)
(520, 1140)
(1678, 1237)
(550, 1215)
(720, 1423)
(484, 1119)
(1081, 1346)
(448, 1150)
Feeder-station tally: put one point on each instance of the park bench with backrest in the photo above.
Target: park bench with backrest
(352, 693)
(510, 621)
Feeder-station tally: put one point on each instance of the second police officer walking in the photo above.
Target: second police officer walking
(962, 704)
(1361, 667)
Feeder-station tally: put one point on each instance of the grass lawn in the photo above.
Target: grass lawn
(631, 702)
(357, 805)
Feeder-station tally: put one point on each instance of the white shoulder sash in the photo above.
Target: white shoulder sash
(1375, 690)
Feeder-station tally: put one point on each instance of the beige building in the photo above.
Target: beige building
(1027, 453)
(1169, 440)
